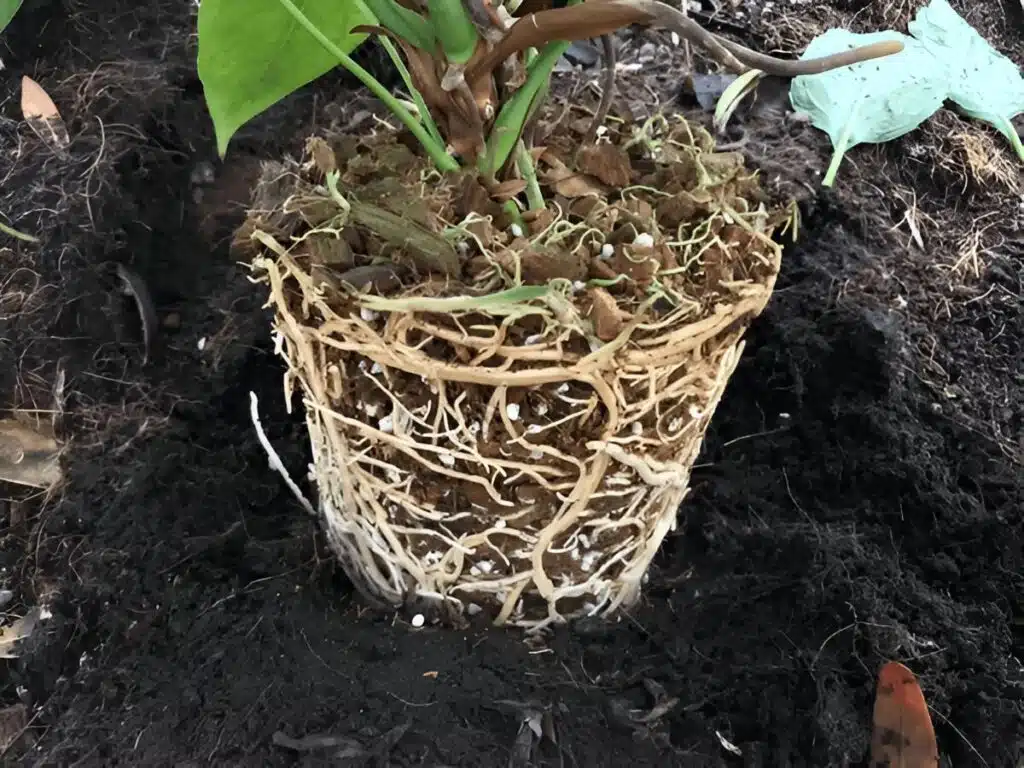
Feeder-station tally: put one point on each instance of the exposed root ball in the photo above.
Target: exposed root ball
(504, 413)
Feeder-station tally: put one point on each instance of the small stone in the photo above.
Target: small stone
(417, 620)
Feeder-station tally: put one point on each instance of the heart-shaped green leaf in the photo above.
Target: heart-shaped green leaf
(984, 84)
(7, 10)
(253, 53)
(873, 101)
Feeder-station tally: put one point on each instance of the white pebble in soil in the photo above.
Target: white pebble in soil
(607, 251)
(517, 231)
(644, 240)
(418, 620)
(512, 411)
(432, 558)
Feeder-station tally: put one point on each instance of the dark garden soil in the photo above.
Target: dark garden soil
(859, 498)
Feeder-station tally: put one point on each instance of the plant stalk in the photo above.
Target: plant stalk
(444, 162)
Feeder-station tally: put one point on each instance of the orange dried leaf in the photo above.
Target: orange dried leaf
(903, 734)
(578, 185)
(506, 190)
(42, 115)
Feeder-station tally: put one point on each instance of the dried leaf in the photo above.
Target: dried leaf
(42, 116)
(903, 734)
(321, 155)
(20, 629)
(508, 189)
(27, 456)
(577, 186)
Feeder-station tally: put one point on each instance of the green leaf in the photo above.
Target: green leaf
(873, 101)
(253, 53)
(7, 10)
(985, 84)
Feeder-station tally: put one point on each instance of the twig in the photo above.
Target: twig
(135, 286)
(607, 88)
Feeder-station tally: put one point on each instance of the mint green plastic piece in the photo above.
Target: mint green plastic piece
(873, 101)
(985, 84)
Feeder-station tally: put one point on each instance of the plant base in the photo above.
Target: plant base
(514, 439)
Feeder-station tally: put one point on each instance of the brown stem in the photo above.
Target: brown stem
(600, 17)
(607, 88)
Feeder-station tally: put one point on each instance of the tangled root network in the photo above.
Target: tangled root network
(515, 438)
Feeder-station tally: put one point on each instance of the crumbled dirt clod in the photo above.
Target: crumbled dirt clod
(608, 319)
(607, 163)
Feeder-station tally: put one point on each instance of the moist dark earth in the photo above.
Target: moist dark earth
(859, 498)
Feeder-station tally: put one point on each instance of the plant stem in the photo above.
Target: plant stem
(534, 197)
(842, 144)
(454, 28)
(444, 161)
(396, 59)
(512, 211)
(514, 113)
(1014, 137)
(15, 233)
